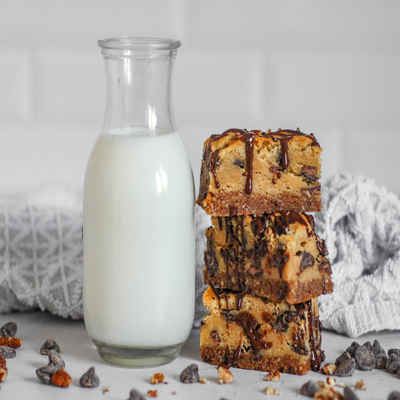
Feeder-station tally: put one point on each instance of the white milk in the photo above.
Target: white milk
(138, 240)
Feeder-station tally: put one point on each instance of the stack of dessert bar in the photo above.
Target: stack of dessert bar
(264, 264)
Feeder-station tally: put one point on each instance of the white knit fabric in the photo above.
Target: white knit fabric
(360, 223)
(41, 252)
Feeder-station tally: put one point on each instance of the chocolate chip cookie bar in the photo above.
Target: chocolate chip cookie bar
(277, 256)
(252, 172)
(251, 332)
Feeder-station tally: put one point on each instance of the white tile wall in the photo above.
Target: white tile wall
(331, 68)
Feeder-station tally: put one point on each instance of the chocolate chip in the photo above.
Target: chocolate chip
(9, 329)
(365, 358)
(274, 168)
(210, 260)
(55, 359)
(368, 345)
(239, 163)
(394, 396)
(309, 388)
(44, 374)
(48, 345)
(190, 374)
(393, 364)
(7, 352)
(343, 357)
(346, 368)
(306, 261)
(89, 379)
(310, 173)
(394, 351)
(381, 357)
(135, 395)
(280, 325)
(325, 266)
(349, 394)
(255, 270)
(352, 348)
(214, 335)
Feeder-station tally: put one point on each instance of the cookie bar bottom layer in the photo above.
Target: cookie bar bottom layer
(251, 332)
(239, 203)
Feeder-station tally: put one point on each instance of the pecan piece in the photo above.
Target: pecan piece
(156, 378)
(3, 373)
(12, 342)
(61, 379)
(3, 362)
(89, 379)
(224, 375)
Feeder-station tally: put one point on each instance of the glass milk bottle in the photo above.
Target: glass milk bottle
(138, 237)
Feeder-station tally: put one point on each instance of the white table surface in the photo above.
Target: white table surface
(79, 353)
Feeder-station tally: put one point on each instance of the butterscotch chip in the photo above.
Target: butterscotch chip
(225, 375)
(156, 378)
(256, 333)
(254, 172)
(277, 256)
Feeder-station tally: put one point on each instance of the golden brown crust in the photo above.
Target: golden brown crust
(255, 333)
(277, 256)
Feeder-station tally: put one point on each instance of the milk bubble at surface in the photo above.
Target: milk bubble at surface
(138, 238)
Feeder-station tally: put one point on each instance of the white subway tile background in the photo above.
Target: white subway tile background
(329, 67)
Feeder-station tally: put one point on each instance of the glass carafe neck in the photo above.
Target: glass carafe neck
(139, 82)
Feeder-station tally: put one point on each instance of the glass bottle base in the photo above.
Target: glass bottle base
(137, 357)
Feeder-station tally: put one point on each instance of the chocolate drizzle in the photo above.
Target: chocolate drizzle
(314, 359)
(283, 220)
(249, 324)
(249, 140)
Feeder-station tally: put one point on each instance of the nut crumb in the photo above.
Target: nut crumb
(331, 381)
(273, 376)
(156, 378)
(328, 369)
(152, 393)
(220, 381)
(224, 374)
(340, 384)
(328, 393)
(203, 380)
(3, 373)
(270, 390)
(360, 385)
(106, 389)
(173, 393)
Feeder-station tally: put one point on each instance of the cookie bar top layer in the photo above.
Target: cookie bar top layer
(250, 332)
(251, 172)
(277, 256)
